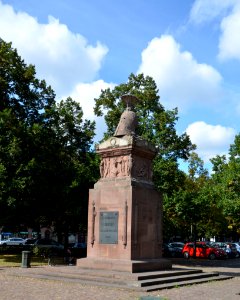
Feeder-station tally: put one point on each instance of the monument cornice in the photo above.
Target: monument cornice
(126, 145)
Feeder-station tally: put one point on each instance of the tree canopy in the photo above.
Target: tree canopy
(46, 162)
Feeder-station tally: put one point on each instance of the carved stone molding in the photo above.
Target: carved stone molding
(126, 166)
(93, 223)
(125, 225)
(119, 166)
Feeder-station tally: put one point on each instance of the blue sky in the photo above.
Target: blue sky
(190, 48)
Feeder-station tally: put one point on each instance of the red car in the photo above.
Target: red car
(203, 250)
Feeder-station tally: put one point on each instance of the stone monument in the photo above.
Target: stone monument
(125, 210)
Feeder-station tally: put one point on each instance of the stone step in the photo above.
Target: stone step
(163, 274)
(175, 279)
(184, 283)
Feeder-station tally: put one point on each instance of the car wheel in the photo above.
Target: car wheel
(186, 255)
(4, 245)
(212, 256)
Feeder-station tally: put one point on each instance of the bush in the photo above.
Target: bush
(47, 251)
(44, 252)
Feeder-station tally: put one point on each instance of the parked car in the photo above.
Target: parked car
(79, 245)
(170, 250)
(47, 245)
(29, 243)
(229, 248)
(12, 242)
(176, 248)
(237, 246)
(79, 250)
(176, 244)
(202, 250)
(233, 248)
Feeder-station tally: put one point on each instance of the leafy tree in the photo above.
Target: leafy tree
(24, 101)
(46, 163)
(227, 179)
(184, 208)
(196, 210)
(75, 166)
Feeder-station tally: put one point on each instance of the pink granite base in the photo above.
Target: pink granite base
(132, 266)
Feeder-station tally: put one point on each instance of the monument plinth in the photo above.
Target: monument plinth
(125, 210)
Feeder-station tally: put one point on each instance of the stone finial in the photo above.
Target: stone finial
(128, 120)
(129, 100)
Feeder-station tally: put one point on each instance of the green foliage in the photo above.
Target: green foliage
(206, 206)
(194, 209)
(46, 164)
(42, 251)
(226, 179)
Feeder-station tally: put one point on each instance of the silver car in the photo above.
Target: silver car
(12, 242)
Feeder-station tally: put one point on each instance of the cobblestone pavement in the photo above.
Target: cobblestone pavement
(15, 285)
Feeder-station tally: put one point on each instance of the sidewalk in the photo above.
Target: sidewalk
(30, 284)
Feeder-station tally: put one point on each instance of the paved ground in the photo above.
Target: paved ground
(24, 284)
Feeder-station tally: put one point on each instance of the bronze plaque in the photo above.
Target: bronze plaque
(108, 227)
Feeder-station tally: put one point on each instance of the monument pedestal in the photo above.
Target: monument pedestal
(125, 209)
(131, 266)
(125, 213)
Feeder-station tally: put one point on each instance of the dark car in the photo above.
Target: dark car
(176, 248)
(79, 250)
(29, 243)
(48, 243)
(170, 250)
(49, 246)
(202, 250)
(79, 245)
(237, 246)
(229, 248)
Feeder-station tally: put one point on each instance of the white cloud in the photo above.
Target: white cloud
(211, 140)
(229, 44)
(206, 10)
(228, 12)
(61, 57)
(85, 93)
(181, 80)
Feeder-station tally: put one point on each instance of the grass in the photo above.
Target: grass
(15, 260)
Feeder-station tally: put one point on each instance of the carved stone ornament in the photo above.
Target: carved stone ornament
(119, 166)
(128, 120)
(125, 166)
